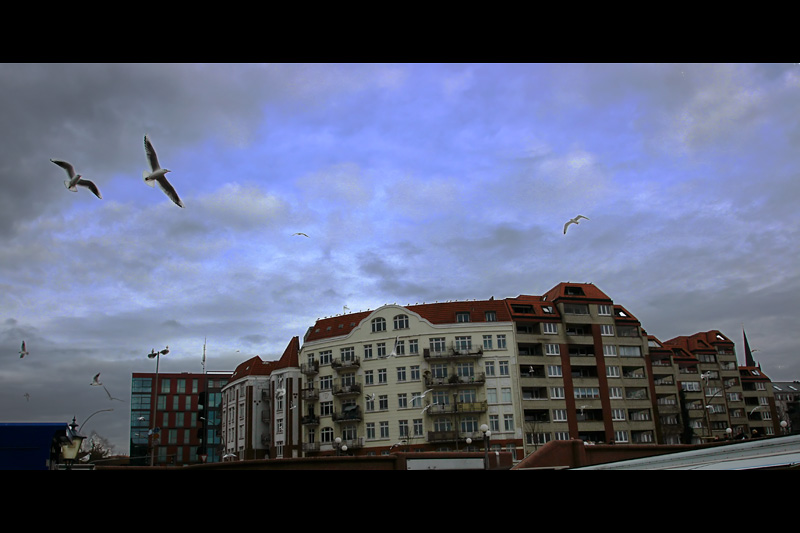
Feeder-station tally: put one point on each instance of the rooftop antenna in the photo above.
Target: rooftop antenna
(204, 355)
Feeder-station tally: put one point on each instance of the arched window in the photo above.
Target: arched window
(378, 324)
(401, 322)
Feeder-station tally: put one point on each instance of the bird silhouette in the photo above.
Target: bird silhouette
(76, 179)
(109, 395)
(23, 351)
(300, 233)
(420, 396)
(574, 221)
(158, 174)
(96, 380)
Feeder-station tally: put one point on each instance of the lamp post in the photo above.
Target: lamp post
(70, 451)
(154, 432)
(486, 434)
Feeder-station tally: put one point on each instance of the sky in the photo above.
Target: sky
(414, 183)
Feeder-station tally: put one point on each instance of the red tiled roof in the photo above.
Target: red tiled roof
(254, 366)
(702, 341)
(435, 313)
(590, 292)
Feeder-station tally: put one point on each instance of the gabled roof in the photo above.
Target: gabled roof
(435, 313)
(702, 341)
(568, 290)
(255, 366)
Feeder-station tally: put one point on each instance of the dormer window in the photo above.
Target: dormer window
(462, 317)
(573, 291)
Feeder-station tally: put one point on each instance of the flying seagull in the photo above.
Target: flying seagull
(27, 397)
(109, 395)
(23, 351)
(96, 380)
(429, 406)
(75, 179)
(419, 397)
(300, 233)
(574, 221)
(158, 174)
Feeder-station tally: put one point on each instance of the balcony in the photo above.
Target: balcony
(309, 394)
(460, 407)
(454, 352)
(348, 414)
(346, 364)
(310, 420)
(310, 369)
(455, 381)
(349, 389)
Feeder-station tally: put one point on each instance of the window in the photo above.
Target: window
(489, 368)
(609, 350)
(325, 357)
(618, 414)
(612, 371)
(369, 377)
(630, 351)
(505, 394)
(559, 415)
(504, 368)
(607, 330)
(491, 316)
(415, 373)
(587, 392)
(438, 345)
(615, 393)
(381, 349)
(413, 346)
(384, 429)
(501, 342)
(463, 343)
(604, 310)
(554, 371)
(367, 351)
(550, 328)
(402, 400)
(378, 324)
(552, 349)
(576, 309)
(557, 393)
(491, 395)
(401, 322)
(508, 422)
(487, 342)
(462, 317)
(620, 436)
(348, 353)
(382, 375)
(401, 373)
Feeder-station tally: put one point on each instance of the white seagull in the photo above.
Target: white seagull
(300, 233)
(574, 221)
(96, 380)
(109, 395)
(429, 406)
(158, 174)
(23, 351)
(75, 179)
(421, 396)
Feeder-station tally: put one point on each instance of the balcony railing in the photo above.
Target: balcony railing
(348, 415)
(454, 352)
(347, 389)
(310, 368)
(455, 380)
(310, 394)
(345, 364)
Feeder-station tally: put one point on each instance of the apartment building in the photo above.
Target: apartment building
(421, 377)
(518, 371)
(787, 404)
(583, 368)
(261, 408)
(175, 417)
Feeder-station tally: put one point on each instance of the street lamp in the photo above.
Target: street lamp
(486, 434)
(70, 451)
(154, 432)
